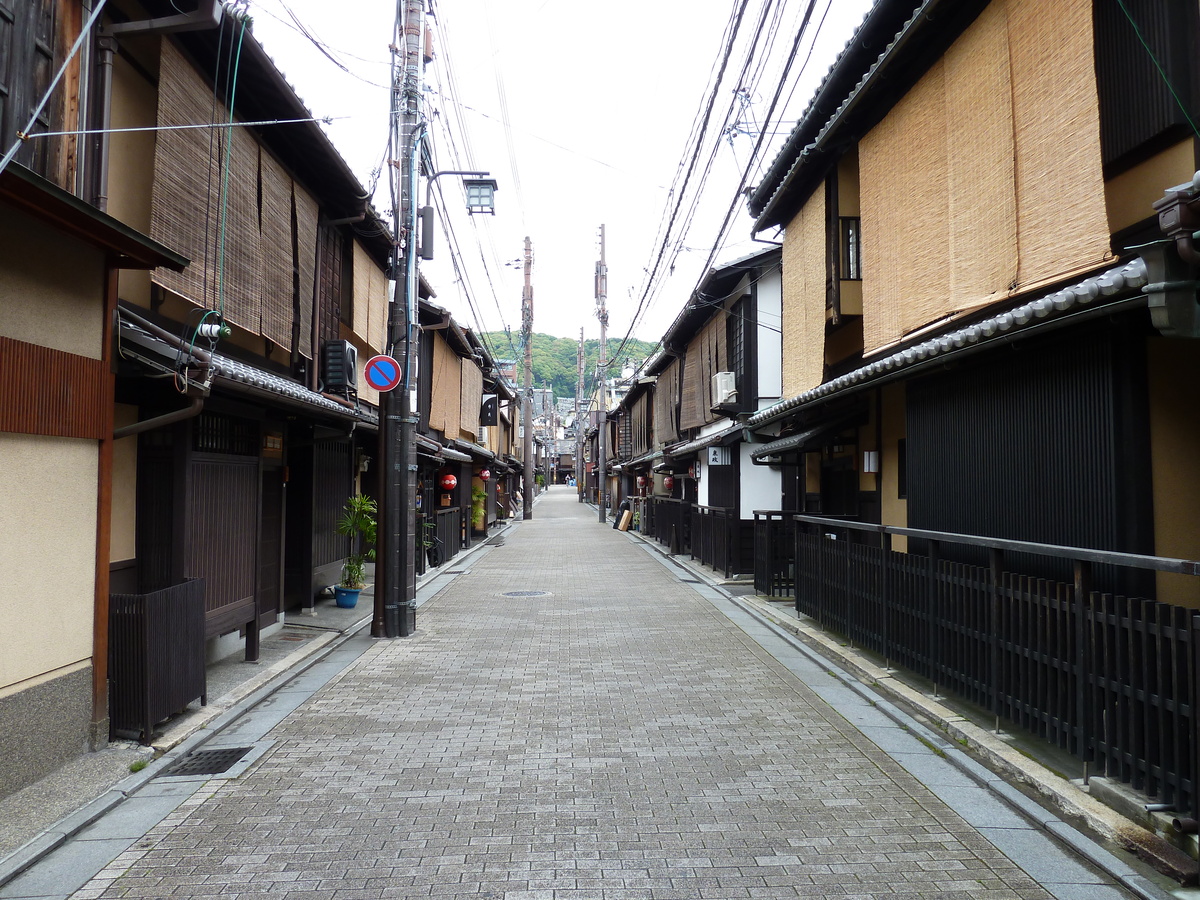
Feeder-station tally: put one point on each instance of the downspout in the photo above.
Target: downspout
(188, 412)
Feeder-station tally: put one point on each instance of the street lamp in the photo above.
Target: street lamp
(481, 194)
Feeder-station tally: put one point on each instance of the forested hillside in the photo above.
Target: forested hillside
(555, 359)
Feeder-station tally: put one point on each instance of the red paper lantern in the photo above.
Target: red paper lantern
(641, 482)
(668, 484)
(448, 482)
(485, 474)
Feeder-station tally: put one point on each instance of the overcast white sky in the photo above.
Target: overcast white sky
(582, 111)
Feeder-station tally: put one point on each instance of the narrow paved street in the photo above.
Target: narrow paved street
(622, 733)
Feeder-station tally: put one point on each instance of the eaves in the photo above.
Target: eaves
(1100, 293)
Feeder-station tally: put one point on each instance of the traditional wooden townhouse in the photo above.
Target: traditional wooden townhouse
(680, 430)
(469, 459)
(201, 292)
(990, 367)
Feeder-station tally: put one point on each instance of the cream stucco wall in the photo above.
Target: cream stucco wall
(1129, 197)
(44, 276)
(894, 508)
(1174, 435)
(124, 492)
(48, 549)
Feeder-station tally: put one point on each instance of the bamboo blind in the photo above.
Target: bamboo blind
(1056, 114)
(306, 244)
(446, 389)
(370, 299)
(239, 265)
(804, 276)
(905, 214)
(965, 181)
(982, 207)
(184, 194)
(472, 398)
(641, 435)
(666, 404)
(276, 259)
(706, 355)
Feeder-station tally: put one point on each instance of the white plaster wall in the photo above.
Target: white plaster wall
(761, 485)
(47, 554)
(43, 278)
(770, 338)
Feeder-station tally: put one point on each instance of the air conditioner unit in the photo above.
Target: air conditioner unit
(339, 366)
(724, 388)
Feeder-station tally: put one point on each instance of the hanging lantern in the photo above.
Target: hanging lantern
(485, 474)
(669, 483)
(641, 481)
(448, 482)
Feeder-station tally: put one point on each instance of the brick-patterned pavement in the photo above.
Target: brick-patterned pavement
(617, 737)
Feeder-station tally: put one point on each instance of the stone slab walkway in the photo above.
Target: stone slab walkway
(570, 722)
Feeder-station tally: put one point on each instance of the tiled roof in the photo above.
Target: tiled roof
(1124, 279)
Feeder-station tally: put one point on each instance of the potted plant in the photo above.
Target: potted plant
(357, 523)
(478, 508)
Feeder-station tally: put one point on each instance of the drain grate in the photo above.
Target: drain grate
(208, 762)
(525, 594)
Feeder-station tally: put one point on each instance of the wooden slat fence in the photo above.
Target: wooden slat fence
(1110, 679)
(713, 531)
(156, 656)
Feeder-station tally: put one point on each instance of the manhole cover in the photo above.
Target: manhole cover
(525, 594)
(207, 762)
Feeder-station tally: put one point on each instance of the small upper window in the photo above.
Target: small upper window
(851, 248)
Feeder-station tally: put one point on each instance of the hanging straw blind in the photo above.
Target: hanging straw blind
(1056, 114)
(276, 260)
(370, 299)
(706, 355)
(641, 434)
(306, 244)
(905, 214)
(804, 278)
(238, 262)
(446, 389)
(964, 182)
(185, 193)
(472, 398)
(186, 212)
(666, 404)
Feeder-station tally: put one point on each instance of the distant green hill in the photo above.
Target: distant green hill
(555, 359)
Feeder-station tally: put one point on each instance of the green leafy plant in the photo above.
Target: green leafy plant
(478, 501)
(359, 524)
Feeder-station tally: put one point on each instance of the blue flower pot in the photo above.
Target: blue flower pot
(346, 598)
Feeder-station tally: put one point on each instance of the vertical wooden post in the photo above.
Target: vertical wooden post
(98, 727)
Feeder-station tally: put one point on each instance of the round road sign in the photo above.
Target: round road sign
(382, 373)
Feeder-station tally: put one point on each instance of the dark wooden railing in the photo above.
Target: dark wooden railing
(1111, 679)
(156, 656)
(673, 523)
(441, 538)
(774, 552)
(713, 537)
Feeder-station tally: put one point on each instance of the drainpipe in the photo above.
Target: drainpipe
(188, 412)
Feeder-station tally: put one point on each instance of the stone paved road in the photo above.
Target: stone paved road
(617, 737)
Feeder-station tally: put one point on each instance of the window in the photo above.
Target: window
(850, 248)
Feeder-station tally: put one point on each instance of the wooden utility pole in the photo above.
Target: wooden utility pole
(396, 577)
(527, 419)
(580, 474)
(602, 313)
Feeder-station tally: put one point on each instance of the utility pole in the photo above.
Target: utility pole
(580, 480)
(602, 313)
(395, 593)
(527, 419)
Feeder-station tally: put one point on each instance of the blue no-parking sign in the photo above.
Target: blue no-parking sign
(382, 373)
